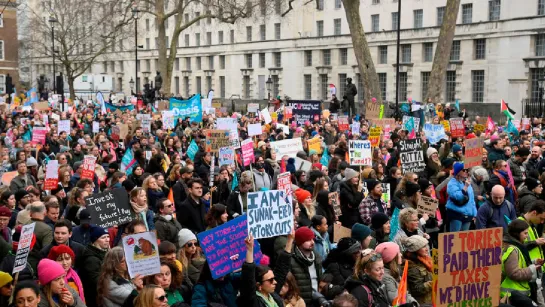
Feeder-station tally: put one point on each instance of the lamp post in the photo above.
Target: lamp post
(135, 12)
(131, 84)
(52, 21)
(269, 87)
(541, 84)
(398, 45)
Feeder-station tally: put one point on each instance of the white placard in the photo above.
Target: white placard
(284, 128)
(24, 247)
(52, 169)
(254, 129)
(96, 127)
(55, 116)
(142, 254)
(266, 116)
(269, 214)
(230, 124)
(64, 125)
(289, 147)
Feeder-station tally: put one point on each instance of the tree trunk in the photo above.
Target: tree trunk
(442, 52)
(361, 50)
(71, 88)
(162, 48)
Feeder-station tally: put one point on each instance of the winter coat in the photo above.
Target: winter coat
(370, 206)
(217, 291)
(300, 267)
(153, 197)
(359, 288)
(455, 191)
(516, 171)
(167, 230)
(234, 203)
(496, 219)
(401, 235)
(192, 215)
(44, 237)
(391, 286)
(531, 165)
(262, 180)
(179, 192)
(77, 300)
(322, 246)
(495, 155)
(8, 263)
(419, 281)
(341, 267)
(203, 171)
(326, 211)
(82, 235)
(221, 195)
(119, 289)
(527, 199)
(89, 271)
(350, 198)
(479, 189)
(18, 183)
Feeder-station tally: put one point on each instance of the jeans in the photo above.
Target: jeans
(456, 225)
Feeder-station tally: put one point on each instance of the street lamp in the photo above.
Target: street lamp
(398, 43)
(135, 12)
(269, 87)
(52, 21)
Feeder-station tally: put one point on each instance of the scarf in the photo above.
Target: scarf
(427, 262)
(72, 275)
(308, 261)
(269, 302)
(138, 208)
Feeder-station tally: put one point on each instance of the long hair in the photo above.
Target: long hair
(365, 261)
(173, 176)
(49, 296)
(175, 273)
(293, 289)
(146, 297)
(145, 184)
(74, 195)
(185, 260)
(394, 268)
(403, 182)
(213, 218)
(318, 186)
(111, 268)
(115, 178)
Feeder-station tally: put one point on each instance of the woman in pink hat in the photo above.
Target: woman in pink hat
(391, 256)
(55, 292)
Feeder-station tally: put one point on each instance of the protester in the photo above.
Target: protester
(409, 225)
(461, 208)
(366, 282)
(91, 262)
(190, 255)
(64, 256)
(53, 286)
(165, 223)
(151, 296)
(419, 277)
(115, 287)
(306, 265)
(170, 279)
(6, 288)
(497, 211)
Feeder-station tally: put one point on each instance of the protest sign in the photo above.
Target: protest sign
(325, 114)
(192, 150)
(226, 156)
(284, 128)
(247, 147)
(470, 268)
(374, 136)
(116, 131)
(526, 123)
(284, 184)
(305, 110)
(51, 175)
(41, 106)
(416, 120)
(383, 122)
(55, 117)
(302, 164)
(315, 145)
(359, 152)
(38, 135)
(23, 249)
(96, 127)
(266, 116)
(340, 232)
(516, 122)
(478, 128)
(386, 193)
(457, 129)
(109, 208)
(168, 119)
(146, 124)
(412, 157)
(231, 125)
(163, 105)
(289, 147)
(215, 139)
(269, 214)
(191, 108)
(254, 129)
(142, 254)
(45, 119)
(123, 130)
(473, 154)
(88, 165)
(372, 110)
(64, 125)
(335, 203)
(221, 243)
(394, 223)
(427, 205)
(343, 123)
(356, 128)
(434, 133)
(446, 125)
(253, 107)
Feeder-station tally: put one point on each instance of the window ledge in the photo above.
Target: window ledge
(458, 62)
(403, 64)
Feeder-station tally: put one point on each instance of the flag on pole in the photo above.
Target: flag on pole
(490, 126)
(235, 181)
(511, 128)
(402, 289)
(505, 110)
(100, 100)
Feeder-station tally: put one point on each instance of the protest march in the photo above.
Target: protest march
(292, 203)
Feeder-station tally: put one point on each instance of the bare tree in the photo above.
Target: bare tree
(85, 32)
(442, 52)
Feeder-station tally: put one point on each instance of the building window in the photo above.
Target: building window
(338, 4)
(248, 33)
(222, 86)
(402, 86)
(540, 45)
(277, 60)
(176, 82)
(455, 51)
(232, 36)
(428, 52)
(467, 13)
(450, 94)
(199, 63)
(440, 15)
(262, 60)
(382, 82)
(186, 86)
(337, 26)
(148, 42)
(308, 86)
(220, 37)
(246, 85)
(361, 92)
(494, 10)
(541, 7)
(418, 16)
(187, 63)
(425, 78)
(308, 58)
(395, 21)
(209, 38)
(383, 54)
(536, 75)
(176, 64)
(147, 24)
(324, 86)
(375, 23)
(276, 31)
(263, 7)
(198, 81)
(320, 5)
(343, 56)
(276, 85)
(248, 60)
(376, 1)
(326, 57)
(342, 85)
(480, 49)
(186, 41)
(197, 15)
(320, 28)
(211, 62)
(262, 32)
(197, 39)
(222, 62)
(477, 82)
(405, 53)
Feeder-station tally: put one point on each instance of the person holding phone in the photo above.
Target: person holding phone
(461, 209)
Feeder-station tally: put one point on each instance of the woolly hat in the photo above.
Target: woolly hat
(378, 219)
(388, 251)
(20, 194)
(5, 279)
(348, 246)
(301, 195)
(423, 183)
(185, 235)
(97, 232)
(60, 249)
(456, 148)
(414, 243)
(303, 235)
(447, 162)
(5, 212)
(458, 167)
(411, 188)
(360, 232)
(371, 184)
(49, 270)
(349, 174)
(366, 172)
(430, 151)
(31, 161)
(530, 182)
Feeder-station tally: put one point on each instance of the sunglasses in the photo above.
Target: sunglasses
(162, 298)
(269, 280)
(191, 244)
(169, 206)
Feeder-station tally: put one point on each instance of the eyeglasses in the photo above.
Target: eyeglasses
(169, 206)
(161, 298)
(374, 256)
(191, 244)
(269, 280)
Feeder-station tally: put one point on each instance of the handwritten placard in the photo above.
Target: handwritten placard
(269, 214)
(226, 156)
(222, 243)
(434, 133)
(427, 205)
(51, 175)
(359, 152)
(215, 139)
(374, 136)
(340, 232)
(412, 157)
(23, 248)
(289, 147)
(142, 254)
(372, 110)
(109, 208)
(473, 154)
(88, 171)
(315, 145)
(334, 202)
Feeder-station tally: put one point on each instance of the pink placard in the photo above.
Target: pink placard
(247, 152)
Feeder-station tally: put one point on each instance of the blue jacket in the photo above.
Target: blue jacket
(215, 292)
(455, 191)
(496, 219)
(322, 246)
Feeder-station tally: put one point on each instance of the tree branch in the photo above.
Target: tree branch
(290, 7)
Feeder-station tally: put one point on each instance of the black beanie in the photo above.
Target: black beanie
(411, 188)
(531, 183)
(378, 220)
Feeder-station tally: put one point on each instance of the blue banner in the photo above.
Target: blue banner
(191, 108)
(434, 133)
(112, 108)
(192, 150)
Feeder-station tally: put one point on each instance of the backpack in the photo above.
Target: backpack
(369, 296)
(510, 207)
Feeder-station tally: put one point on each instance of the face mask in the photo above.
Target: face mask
(259, 165)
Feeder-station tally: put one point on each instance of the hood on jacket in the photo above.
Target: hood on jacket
(352, 282)
(525, 192)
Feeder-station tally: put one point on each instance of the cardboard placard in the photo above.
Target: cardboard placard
(335, 203)
(427, 205)
(109, 208)
(340, 232)
(269, 214)
(372, 110)
(457, 129)
(142, 254)
(41, 106)
(473, 154)
(315, 144)
(359, 152)
(123, 131)
(215, 139)
(383, 122)
(23, 248)
(163, 105)
(411, 156)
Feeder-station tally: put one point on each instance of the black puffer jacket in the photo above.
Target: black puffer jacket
(341, 267)
(526, 199)
(350, 199)
(89, 271)
(359, 288)
(300, 267)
